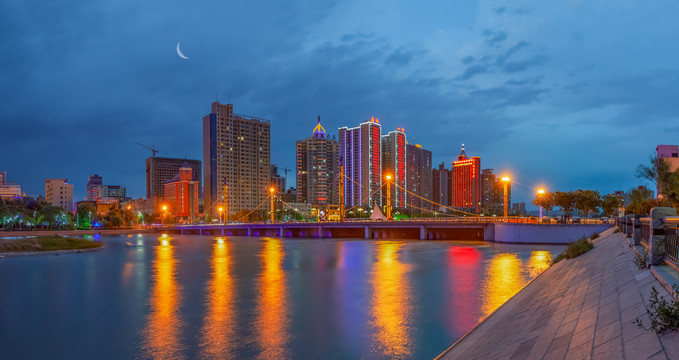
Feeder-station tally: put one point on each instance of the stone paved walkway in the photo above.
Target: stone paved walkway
(583, 308)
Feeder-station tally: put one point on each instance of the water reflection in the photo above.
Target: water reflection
(161, 336)
(219, 329)
(539, 261)
(464, 264)
(272, 312)
(503, 280)
(391, 303)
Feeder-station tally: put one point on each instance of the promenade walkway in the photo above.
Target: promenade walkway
(583, 308)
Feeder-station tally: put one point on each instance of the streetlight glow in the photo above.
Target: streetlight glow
(505, 178)
(541, 191)
(388, 177)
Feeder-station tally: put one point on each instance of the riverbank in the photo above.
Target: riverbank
(45, 245)
(74, 232)
(579, 308)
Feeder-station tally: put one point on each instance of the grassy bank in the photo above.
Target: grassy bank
(46, 243)
(575, 249)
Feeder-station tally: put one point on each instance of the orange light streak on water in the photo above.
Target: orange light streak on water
(161, 336)
(390, 304)
(503, 280)
(219, 328)
(272, 312)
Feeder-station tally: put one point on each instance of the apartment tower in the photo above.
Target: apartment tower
(236, 154)
(466, 182)
(360, 152)
(394, 164)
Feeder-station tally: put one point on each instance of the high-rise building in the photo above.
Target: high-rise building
(236, 154)
(110, 192)
(317, 169)
(519, 209)
(182, 194)
(93, 181)
(58, 192)
(441, 179)
(159, 170)
(394, 164)
(488, 188)
(418, 177)
(8, 190)
(277, 180)
(360, 152)
(499, 195)
(466, 182)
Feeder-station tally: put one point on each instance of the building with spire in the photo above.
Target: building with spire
(182, 194)
(361, 153)
(394, 164)
(466, 189)
(317, 168)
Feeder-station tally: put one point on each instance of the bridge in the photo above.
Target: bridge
(477, 229)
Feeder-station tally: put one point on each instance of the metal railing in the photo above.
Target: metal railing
(671, 241)
(645, 230)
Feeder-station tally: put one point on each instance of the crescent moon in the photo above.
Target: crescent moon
(179, 52)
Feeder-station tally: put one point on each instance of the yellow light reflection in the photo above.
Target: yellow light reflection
(161, 336)
(272, 312)
(503, 280)
(539, 261)
(390, 305)
(219, 328)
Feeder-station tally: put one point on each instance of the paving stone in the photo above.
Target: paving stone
(582, 352)
(610, 350)
(642, 345)
(670, 341)
(606, 333)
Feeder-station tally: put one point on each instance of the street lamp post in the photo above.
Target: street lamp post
(540, 193)
(388, 209)
(221, 209)
(505, 181)
(162, 218)
(271, 190)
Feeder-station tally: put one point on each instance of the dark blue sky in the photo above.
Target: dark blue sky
(570, 94)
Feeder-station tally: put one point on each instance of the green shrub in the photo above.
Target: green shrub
(594, 236)
(617, 231)
(575, 249)
(640, 261)
(664, 314)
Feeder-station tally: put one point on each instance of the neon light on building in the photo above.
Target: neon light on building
(466, 184)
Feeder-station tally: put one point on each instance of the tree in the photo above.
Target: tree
(666, 180)
(610, 204)
(546, 201)
(640, 202)
(587, 201)
(565, 200)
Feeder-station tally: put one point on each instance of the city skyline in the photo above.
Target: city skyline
(503, 80)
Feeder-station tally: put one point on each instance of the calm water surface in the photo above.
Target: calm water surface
(208, 297)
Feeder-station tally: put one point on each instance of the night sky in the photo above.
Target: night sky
(570, 94)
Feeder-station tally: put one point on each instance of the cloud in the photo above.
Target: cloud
(399, 58)
(494, 38)
(515, 66)
(468, 60)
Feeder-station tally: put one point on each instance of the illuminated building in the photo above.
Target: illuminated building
(58, 192)
(394, 164)
(317, 167)
(8, 190)
(236, 153)
(182, 194)
(466, 182)
(93, 181)
(159, 170)
(441, 179)
(418, 178)
(499, 195)
(519, 209)
(360, 152)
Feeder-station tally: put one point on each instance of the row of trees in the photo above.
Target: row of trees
(17, 215)
(586, 201)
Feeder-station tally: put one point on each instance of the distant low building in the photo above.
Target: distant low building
(182, 194)
(58, 192)
(519, 209)
(8, 190)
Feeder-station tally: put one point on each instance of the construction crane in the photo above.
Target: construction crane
(153, 148)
